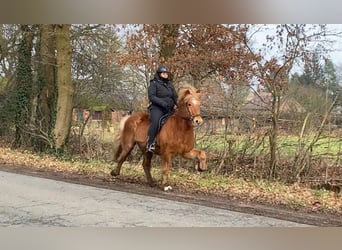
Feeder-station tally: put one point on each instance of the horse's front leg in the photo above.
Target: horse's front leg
(165, 171)
(201, 157)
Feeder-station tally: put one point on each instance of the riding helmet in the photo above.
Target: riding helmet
(162, 69)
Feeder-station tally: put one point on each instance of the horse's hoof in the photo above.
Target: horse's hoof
(114, 173)
(167, 188)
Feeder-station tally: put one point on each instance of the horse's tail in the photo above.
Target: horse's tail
(118, 147)
(128, 127)
(122, 123)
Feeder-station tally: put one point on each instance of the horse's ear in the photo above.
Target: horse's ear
(198, 92)
(187, 92)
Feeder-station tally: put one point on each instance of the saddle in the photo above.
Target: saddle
(162, 121)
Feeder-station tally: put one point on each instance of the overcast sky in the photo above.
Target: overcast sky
(336, 56)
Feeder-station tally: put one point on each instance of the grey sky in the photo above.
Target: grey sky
(336, 56)
(336, 47)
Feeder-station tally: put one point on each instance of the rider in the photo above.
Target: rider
(163, 99)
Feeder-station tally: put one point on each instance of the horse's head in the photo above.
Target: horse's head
(190, 104)
(193, 105)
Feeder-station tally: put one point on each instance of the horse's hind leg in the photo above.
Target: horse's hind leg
(121, 155)
(147, 168)
(118, 152)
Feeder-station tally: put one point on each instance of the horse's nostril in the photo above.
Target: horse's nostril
(197, 120)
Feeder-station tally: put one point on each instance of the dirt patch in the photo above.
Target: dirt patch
(126, 184)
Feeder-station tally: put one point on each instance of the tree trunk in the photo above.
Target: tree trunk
(45, 118)
(274, 134)
(64, 85)
(23, 87)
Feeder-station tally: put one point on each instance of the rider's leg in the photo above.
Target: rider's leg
(155, 115)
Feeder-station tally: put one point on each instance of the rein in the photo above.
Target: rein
(191, 116)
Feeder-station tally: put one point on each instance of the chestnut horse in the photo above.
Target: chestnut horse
(176, 136)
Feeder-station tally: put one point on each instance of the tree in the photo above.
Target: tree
(339, 85)
(289, 43)
(212, 51)
(46, 90)
(10, 38)
(330, 83)
(167, 41)
(28, 55)
(309, 96)
(96, 72)
(194, 53)
(313, 70)
(146, 47)
(64, 85)
(317, 86)
(23, 87)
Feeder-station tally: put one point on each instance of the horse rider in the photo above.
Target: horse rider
(163, 100)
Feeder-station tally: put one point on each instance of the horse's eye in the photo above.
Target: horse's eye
(189, 104)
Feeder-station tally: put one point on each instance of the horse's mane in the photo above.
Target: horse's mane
(187, 89)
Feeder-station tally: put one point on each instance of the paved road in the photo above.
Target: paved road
(31, 201)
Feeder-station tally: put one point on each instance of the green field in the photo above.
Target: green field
(287, 145)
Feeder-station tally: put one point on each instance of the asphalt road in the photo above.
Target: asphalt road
(27, 201)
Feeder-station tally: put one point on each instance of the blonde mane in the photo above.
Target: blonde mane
(187, 89)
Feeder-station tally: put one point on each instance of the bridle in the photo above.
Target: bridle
(191, 116)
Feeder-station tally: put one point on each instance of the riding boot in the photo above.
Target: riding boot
(150, 146)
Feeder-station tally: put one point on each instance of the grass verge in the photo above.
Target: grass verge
(272, 193)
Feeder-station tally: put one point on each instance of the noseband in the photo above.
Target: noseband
(191, 116)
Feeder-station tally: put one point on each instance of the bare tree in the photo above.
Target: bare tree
(96, 72)
(289, 44)
(64, 85)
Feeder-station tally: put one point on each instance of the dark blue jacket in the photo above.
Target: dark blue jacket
(162, 94)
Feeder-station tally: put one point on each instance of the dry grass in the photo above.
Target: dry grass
(273, 193)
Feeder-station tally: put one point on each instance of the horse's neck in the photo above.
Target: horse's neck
(184, 115)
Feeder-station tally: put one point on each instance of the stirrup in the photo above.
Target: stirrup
(151, 148)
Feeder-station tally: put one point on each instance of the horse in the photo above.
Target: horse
(176, 136)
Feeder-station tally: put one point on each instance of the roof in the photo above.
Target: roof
(262, 101)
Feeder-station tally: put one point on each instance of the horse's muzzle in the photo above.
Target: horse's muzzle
(197, 120)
